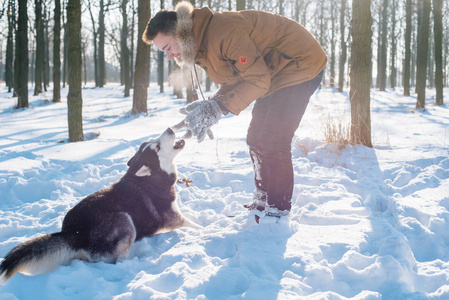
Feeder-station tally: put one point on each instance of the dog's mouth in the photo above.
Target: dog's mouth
(179, 145)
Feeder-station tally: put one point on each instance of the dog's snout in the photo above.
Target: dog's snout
(170, 131)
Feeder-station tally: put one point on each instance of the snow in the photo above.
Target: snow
(365, 223)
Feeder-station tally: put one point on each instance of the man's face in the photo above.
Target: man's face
(167, 44)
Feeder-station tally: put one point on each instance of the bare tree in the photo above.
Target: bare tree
(332, 58)
(160, 64)
(141, 75)
(95, 42)
(21, 65)
(393, 45)
(360, 73)
(383, 47)
(438, 37)
(131, 59)
(343, 50)
(300, 6)
(423, 48)
(321, 24)
(101, 45)
(46, 21)
(57, 53)
(188, 83)
(408, 39)
(241, 4)
(176, 74)
(9, 69)
(64, 63)
(124, 53)
(83, 45)
(39, 63)
(74, 97)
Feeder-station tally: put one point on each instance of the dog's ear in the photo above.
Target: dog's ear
(132, 159)
(143, 171)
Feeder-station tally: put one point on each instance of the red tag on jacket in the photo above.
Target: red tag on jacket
(242, 59)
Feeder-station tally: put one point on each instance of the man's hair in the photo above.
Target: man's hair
(164, 21)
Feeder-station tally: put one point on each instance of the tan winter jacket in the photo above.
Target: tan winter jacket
(250, 53)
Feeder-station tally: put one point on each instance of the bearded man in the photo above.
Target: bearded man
(254, 56)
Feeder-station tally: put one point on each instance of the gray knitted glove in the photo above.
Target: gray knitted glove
(201, 115)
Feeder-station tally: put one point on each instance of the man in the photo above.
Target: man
(255, 56)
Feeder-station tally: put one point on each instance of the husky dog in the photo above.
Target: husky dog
(104, 225)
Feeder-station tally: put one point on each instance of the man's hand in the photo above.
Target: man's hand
(201, 115)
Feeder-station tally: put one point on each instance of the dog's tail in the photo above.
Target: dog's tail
(39, 255)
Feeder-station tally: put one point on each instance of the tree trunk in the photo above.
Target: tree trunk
(39, 64)
(46, 51)
(379, 44)
(64, 62)
(208, 83)
(32, 63)
(188, 78)
(430, 61)
(343, 54)
(413, 56)
(408, 38)
(297, 9)
(383, 48)
(176, 74)
(1, 62)
(57, 53)
(160, 70)
(131, 64)
(96, 68)
(95, 42)
(241, 4)
(361, 73)
(9, 65)
(322, 38)
(141, 75)
(438, 37)
(21, 62)
(124, 49)
(423, 48)
(160, 64)
(84, 63)
(74, 97)
(101, 44)
(332, 60)
(393, 45)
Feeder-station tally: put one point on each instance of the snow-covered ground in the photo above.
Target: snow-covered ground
(365, 224)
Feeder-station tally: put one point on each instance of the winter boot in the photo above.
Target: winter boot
(271, 212)
(274, 212)
(259, 201)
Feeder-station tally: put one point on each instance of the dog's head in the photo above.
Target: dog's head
(156, 155)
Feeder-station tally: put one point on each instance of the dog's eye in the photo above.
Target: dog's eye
(158, 147)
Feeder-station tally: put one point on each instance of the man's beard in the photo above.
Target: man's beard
(179, 61)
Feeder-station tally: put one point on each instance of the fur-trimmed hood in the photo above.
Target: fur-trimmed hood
(250, 53)
(184, 33)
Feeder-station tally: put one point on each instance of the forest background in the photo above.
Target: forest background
(394, 42)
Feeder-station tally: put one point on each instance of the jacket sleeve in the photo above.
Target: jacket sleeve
(243, 58)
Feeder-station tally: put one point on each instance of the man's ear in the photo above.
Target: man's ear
(143, 171)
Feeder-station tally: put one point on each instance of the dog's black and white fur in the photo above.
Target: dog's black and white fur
(104, 225)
